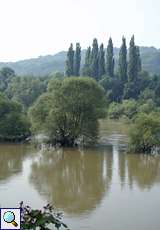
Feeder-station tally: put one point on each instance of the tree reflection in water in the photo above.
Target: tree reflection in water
(11, 159)
(73, 180)
(76, 181)
(144, 170)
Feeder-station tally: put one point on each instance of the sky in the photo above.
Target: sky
(30, 28)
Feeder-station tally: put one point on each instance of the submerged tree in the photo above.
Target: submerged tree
(145, 133)
(70, 62)
(110, 59)
(77, 60)
(69, 111)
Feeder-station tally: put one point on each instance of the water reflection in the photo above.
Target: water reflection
(144, 170)
(75, 181)
(11, 159)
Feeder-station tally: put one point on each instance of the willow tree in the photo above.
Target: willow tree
(69, 111)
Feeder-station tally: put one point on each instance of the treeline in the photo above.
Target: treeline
(17, 94)
(99, 62)
(122, 83)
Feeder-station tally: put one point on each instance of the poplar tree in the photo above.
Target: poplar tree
(94, 59)
(77, 60)
(101, 62)
(133, 62)
(70, 62)
(110, 59)
(139, 64)
(87, 64)
(122, 65)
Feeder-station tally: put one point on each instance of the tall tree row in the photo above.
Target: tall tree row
(73, 61)
(99, 62)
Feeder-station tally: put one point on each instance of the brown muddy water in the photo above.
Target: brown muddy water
(96, 188)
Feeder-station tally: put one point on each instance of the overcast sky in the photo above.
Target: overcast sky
(30, 28)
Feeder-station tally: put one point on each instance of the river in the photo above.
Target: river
(96, 188)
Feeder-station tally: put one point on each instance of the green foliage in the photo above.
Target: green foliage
(70, 62)
(54, 84)
(147, 107)
(146, 94)
(77, 60)
(57, 75)
(87, 65)
(94, 59)
(134, 65)
(115, 110)
(139, 63)
(131, 90)
(25, 90)
(122, 64)
(69, 111)
(113, 88)
(101, 62)
(6, 75)
(41, 219)
(13, 124)
(110, 59)
(129, 108)
(145, 133)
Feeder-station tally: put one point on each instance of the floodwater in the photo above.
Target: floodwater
(96, 188)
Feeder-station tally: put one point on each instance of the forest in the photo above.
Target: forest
(66, 106)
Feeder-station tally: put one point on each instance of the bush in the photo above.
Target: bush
(115, 110)
(147, 107)
(145, 133)
(13, 123)
(129, 108)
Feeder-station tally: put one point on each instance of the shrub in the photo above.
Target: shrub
(115, 110)
(145, 133)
